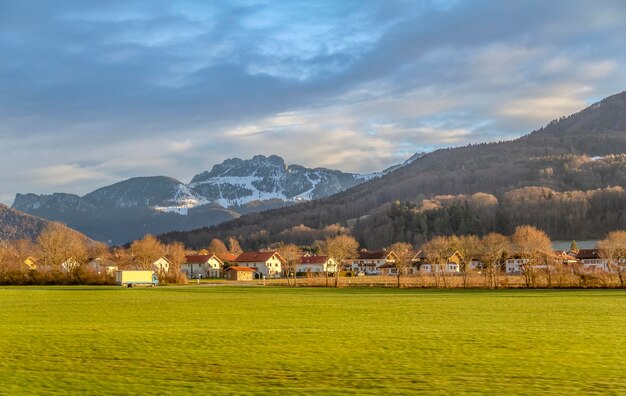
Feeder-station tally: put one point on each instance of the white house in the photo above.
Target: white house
(202, 266)
(316, 264)
(448, 267)
(591, 260)
(515, 265)
(370, 262)
(476, 265)
(422, 263)
(161, 265)
(264, 263)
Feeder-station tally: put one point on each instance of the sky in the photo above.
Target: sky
(92, 93)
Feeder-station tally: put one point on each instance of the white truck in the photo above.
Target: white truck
(136, 278)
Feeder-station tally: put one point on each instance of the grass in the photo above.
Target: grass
(243, 340)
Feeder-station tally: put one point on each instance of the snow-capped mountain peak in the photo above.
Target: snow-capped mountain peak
(153, 204)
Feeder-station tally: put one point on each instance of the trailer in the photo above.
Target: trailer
(136, 278)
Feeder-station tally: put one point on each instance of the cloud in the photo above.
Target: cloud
(62, 175)
(180, 147)
(93, 93)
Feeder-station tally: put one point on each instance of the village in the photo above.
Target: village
(466, 261)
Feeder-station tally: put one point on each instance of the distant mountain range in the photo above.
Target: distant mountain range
(580, 152)
(131, 208)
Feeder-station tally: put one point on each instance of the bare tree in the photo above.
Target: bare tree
(534, 247)
(8, 256)
(404, 255)
(176, 254)
(217, 246)
(319, 248)
(494, 247)
(233, 246)
(613, 249)
(146, 251)
(97, 249)
(23, 249)
(469, 247)
(121, 257)
(341, 248)
(58, 244)
(291, 253)
(438, 251)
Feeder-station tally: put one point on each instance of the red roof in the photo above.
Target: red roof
(199, 258)
(226, 257)
(255, 257)
(235, 268)
(313, 259)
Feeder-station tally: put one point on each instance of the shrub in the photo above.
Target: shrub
(174, 277)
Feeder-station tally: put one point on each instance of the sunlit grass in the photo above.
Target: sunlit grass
(349, 341)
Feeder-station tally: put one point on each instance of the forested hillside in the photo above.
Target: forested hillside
(16, 225)
(563, 215)
(579, 153)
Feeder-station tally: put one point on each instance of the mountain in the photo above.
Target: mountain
(236, 182)
(17, 225)
(581, 152)
(412, 159)
(129, 209)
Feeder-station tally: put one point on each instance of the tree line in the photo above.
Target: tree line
(481, 258)
(562, 215)
(59, 256)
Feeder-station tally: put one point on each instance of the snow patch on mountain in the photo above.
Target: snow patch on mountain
(243, 183)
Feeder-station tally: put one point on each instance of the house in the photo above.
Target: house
(422, 262)
(388, 269)
(237, 273)
(369, 263)
(264, 263)
(515, 265)
(102, 266)
(476, 265)
(161, 265)
(563, 257)
(316, 264)
(30, 263)
(448, 267)
(202, 266)
(591, 260)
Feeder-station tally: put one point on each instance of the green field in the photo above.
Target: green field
(242, 340)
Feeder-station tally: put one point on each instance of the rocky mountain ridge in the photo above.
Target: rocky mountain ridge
(160, 204)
